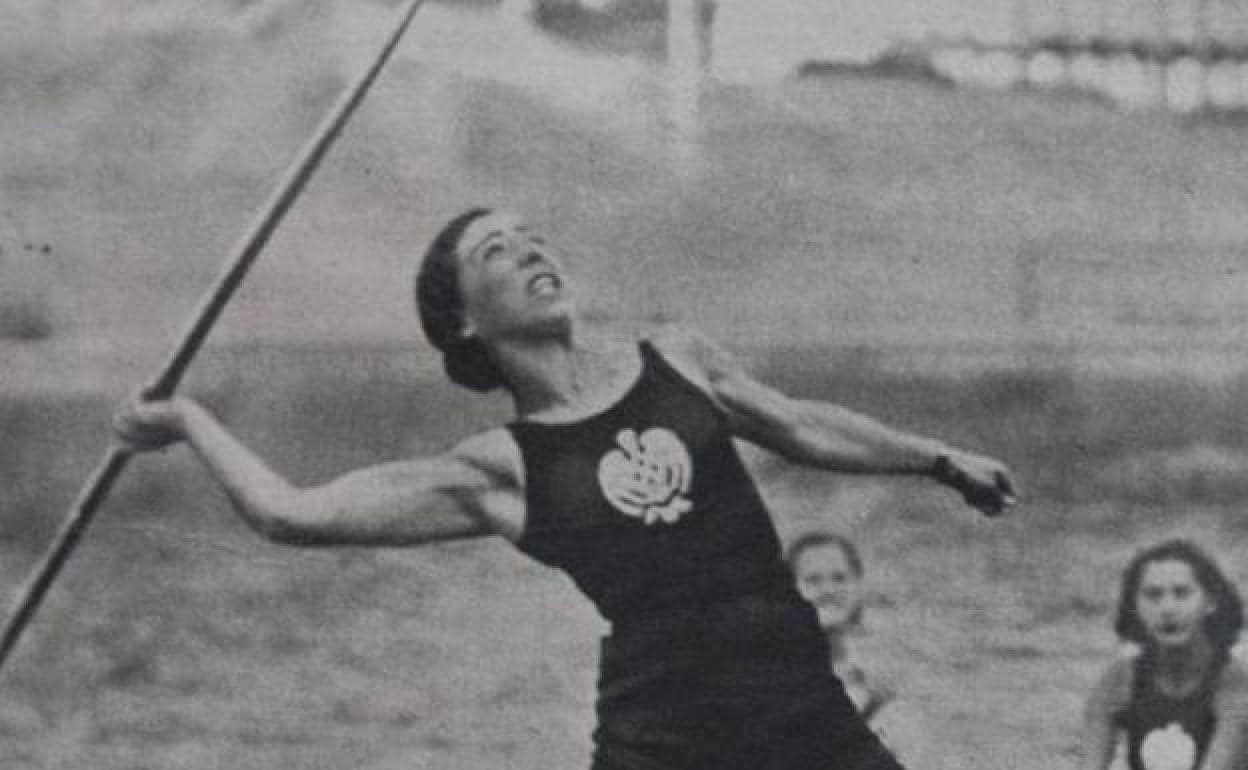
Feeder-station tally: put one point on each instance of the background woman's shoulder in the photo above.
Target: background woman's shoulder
(1233, 685)
(1112, 690)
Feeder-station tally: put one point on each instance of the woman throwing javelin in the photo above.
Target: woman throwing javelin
(1181, 703)
(619, 469)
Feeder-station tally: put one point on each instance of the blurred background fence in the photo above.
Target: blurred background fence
(1186, 55)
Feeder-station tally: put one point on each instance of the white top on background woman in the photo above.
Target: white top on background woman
(1181, 703)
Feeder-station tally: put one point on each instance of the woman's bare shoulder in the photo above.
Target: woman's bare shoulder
(493, 452)
(1233, 683)
(1113, 689)
(495, 458)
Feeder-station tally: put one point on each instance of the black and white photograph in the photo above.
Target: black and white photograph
(623, 384)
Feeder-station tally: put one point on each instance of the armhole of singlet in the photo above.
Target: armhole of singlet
(515, 429)
(498, 453)
(1139, 679)
(519, 463)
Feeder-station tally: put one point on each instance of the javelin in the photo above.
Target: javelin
(213, 302)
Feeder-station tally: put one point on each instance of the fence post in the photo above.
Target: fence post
(1203, 46)
(1163, 51)
(686, 60)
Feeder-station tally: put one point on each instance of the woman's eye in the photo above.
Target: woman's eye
(492, 251)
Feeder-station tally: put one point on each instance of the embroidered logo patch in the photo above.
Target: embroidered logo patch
(647, 476)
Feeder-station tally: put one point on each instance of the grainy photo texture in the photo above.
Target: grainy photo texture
(623, 384)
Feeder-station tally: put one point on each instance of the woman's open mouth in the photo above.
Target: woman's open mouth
(544, 283)
(1169, 630)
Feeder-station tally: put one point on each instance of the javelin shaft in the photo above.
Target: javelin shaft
(270, 216)
(110, 467)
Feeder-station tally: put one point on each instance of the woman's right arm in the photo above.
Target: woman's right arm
(471, 490)
(1100, 736)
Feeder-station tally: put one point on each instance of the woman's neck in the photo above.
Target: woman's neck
(836, 642)
(1178, 671)
(558, 374)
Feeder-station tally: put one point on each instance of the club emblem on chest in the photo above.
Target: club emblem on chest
(1169, 748)
(647, 476)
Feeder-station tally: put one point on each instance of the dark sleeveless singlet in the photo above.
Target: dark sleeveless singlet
(1172, 722)
(713, 659)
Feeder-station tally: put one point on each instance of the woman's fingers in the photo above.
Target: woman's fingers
(146, 425)
(984, 483)
(1009, 490)
(996, 494)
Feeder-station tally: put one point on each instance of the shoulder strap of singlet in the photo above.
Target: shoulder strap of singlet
(650, 355)
(655, 361)
(1121, 712)
(1139, 676)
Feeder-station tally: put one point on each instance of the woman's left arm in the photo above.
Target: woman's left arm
(823, 435)
(1228, 748)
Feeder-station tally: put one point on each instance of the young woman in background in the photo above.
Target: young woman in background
(829, 571)
(1181, 703)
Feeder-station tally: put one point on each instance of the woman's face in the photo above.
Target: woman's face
(1171, 603)
(510, 281)
(826, 579)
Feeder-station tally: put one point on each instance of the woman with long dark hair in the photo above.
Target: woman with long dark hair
(1181, 701)
(620, 469)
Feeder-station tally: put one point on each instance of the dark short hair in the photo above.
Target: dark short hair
(441, 308)
(1222, 626)
(819, 539)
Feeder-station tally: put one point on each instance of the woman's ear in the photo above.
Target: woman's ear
(467, 327)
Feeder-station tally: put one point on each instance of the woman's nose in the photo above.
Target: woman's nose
(1169, 605)
(530, 257)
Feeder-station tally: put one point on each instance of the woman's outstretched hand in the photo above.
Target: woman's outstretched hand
(984, 483)
(143, 426)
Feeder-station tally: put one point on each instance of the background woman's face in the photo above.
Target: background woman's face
(510, 280)
(1171, 603)
(826, 579)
